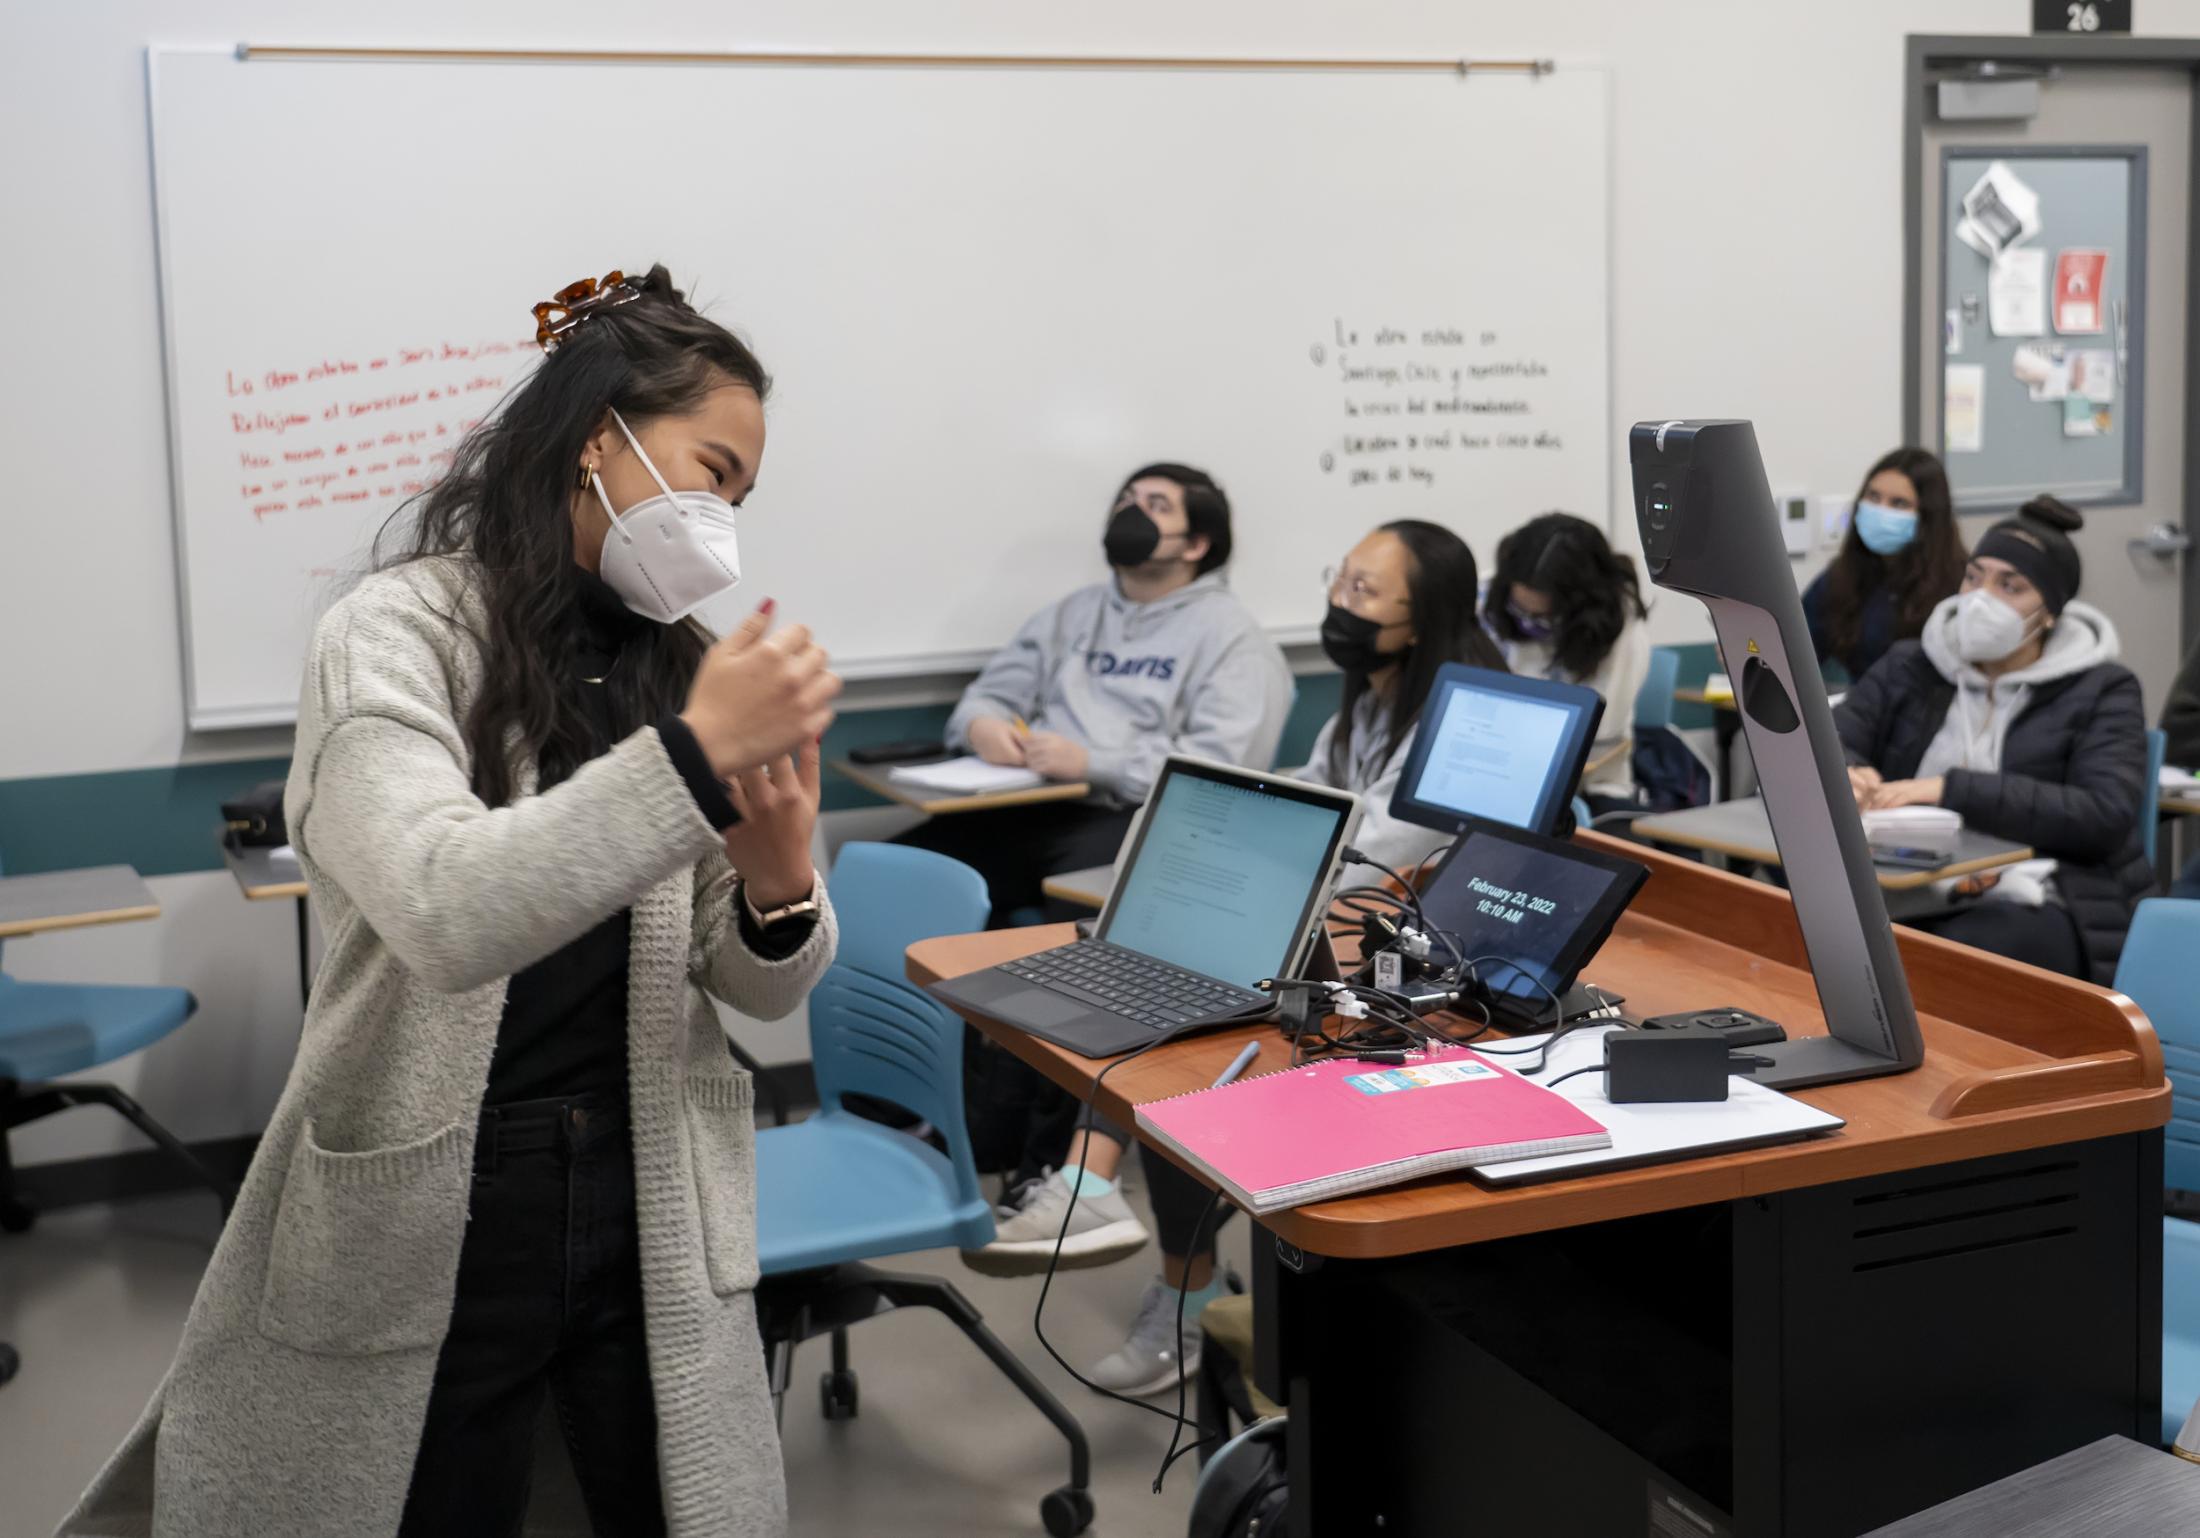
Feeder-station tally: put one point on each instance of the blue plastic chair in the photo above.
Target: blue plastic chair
(1654, 703)
(2156, 973)
(2150, 806)
(838, 1189)
(51, 1029)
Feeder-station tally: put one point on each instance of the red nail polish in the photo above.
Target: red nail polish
(767, 606)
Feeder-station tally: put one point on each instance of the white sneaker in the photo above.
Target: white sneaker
(1146, 1363)
(1102, 1229)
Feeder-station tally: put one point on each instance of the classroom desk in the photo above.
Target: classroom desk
(261, 880)
(1796, 1341)
(1740, 830)
(72, 899)
(1086, 888)
(1726, 727)
(879, 783)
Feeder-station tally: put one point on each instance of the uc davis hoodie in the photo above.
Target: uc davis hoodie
(1134, 682)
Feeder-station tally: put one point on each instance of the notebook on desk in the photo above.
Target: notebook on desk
(1340, 1126)
(965, 776)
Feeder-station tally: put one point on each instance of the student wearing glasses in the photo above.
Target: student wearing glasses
(1101, 686)
(1564, 604)
(1400, 605)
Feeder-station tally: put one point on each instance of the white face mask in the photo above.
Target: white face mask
(1986, 629)
(667, 555)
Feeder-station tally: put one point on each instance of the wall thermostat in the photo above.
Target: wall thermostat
(1797, 528)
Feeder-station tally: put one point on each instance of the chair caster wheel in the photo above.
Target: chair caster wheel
(837, 1396)
(1066, 1512)
(17, 1216)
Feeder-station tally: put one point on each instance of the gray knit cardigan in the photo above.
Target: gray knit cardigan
(296, 1398)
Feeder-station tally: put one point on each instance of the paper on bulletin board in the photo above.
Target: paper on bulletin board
(2079, 274)
(2016, 293)
(1963, 425)
(1998, 212)
(2043, 371)
(2053, 373)
(2083, 418)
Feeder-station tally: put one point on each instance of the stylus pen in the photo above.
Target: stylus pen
(1239, 1064)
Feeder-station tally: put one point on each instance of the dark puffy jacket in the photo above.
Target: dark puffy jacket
(2181, 716)
(2072, 778)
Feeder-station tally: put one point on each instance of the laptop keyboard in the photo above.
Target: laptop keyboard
(1132, 984)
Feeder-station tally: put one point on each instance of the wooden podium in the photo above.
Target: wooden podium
(1805, 1340)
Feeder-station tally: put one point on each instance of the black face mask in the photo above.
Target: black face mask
(1132, 537)
(1348, 640)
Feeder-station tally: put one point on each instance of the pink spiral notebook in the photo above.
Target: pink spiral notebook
(1332, 1128)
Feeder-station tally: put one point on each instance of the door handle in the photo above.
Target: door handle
(2162, 541)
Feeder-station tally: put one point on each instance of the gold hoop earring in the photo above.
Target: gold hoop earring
(587, 477)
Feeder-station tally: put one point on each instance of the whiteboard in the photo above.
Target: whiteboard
(985, 294)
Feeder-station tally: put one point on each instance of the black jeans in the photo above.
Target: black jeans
(2046, 936)
(549, 1302)
(1020, 1121)
(1179, 1203)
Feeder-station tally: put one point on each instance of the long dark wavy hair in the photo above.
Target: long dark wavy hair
(1440, 588)
(1920, 574)
(1593, 588)
(505, 508)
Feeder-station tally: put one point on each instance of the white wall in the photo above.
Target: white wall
(1757, 247)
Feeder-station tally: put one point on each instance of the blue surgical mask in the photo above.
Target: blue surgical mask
(1883, 529)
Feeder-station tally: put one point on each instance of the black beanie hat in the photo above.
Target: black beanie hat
(2037, 543)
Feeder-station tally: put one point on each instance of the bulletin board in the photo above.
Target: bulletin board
(2061, 411)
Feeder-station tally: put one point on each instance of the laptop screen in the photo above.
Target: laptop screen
(1226, 873)
(1498, 747)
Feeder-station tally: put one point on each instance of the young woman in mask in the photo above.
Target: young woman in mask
(1401, 605)
(1564, 604)
(2012, 710)
(542, 814)
(1101, 686)
(1900, 557)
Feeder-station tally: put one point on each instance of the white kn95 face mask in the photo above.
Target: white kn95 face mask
(667, 555)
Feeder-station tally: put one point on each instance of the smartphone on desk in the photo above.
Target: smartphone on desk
(1905, 858)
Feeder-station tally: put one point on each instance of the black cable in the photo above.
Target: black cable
(1183, 1290)
(1573, 1073)
(1054, 1261)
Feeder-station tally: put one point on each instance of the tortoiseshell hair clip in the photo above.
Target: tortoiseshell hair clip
(556, 316)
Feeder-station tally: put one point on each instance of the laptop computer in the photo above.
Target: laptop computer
(1223, 881)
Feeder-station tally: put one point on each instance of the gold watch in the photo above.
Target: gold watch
(807, 908)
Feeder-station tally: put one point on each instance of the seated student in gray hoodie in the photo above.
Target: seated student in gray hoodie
(1104, 684)
(1101, 686)
(2012, 709)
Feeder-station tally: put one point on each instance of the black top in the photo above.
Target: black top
(2071, 782)
(1875, 630)
(563, 1031)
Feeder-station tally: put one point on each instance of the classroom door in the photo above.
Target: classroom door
(2134, 566)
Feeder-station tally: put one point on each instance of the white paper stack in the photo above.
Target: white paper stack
(1913, 827)
(965, 776)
